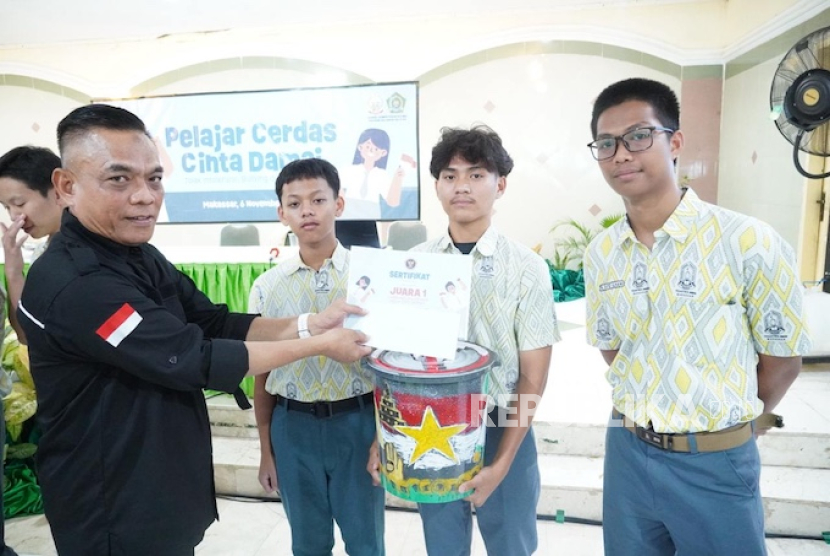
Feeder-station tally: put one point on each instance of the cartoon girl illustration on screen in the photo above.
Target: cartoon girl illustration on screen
(367, 179)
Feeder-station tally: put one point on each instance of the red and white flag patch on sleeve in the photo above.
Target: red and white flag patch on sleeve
(119, 325)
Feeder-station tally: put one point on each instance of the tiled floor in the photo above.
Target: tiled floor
(260, 529)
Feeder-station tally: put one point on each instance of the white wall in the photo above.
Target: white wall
(30, 116)
(541, 107)
(757, 175)
(539, 103)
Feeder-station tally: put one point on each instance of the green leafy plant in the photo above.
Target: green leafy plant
(611, 219)
(20, 487)
(560, 258)
(21, 403)
(572, 238)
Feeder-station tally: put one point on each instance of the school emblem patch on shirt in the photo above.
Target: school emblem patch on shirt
(119, 325)
(322, 281)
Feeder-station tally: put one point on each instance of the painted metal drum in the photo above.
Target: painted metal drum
(431, 421)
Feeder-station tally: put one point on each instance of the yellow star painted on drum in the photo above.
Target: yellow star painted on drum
(430, 435)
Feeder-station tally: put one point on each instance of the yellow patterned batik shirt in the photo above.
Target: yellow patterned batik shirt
(690, 316)
(292, 288)
(511, 304)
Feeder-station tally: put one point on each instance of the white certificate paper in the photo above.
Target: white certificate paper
(417, 303)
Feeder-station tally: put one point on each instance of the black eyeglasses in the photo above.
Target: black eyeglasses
(636, 140)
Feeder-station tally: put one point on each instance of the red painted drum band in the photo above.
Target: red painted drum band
(431, 421)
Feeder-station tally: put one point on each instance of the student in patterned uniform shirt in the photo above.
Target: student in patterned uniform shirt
(680, 297)
(316, 416)
(512, 313)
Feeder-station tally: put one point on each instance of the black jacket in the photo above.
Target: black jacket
(121, 345)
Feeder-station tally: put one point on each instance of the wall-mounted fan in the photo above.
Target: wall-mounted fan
(800, 97)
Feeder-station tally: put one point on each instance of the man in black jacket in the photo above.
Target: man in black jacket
(122, 345)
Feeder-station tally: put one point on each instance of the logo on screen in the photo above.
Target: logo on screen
(410, 264)
(396, 103)
(375, 105)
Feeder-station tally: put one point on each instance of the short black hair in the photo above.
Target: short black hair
(658, 95)
(477, 145)
(84, 119)
(308, 169)
(33, 166)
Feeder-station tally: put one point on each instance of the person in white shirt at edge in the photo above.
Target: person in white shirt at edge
(27, 193)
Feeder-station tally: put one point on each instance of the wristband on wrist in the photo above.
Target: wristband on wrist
(302, 325)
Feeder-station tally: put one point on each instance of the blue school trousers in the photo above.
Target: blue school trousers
(661, 503)
(507, 520)
(321, 469)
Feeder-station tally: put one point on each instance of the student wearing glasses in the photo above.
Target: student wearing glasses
(679, 295)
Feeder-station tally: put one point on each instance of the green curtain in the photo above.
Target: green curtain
(227, 283)
(21, 491)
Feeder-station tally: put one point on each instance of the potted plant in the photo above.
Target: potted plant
(21, 492)
(568, 251)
